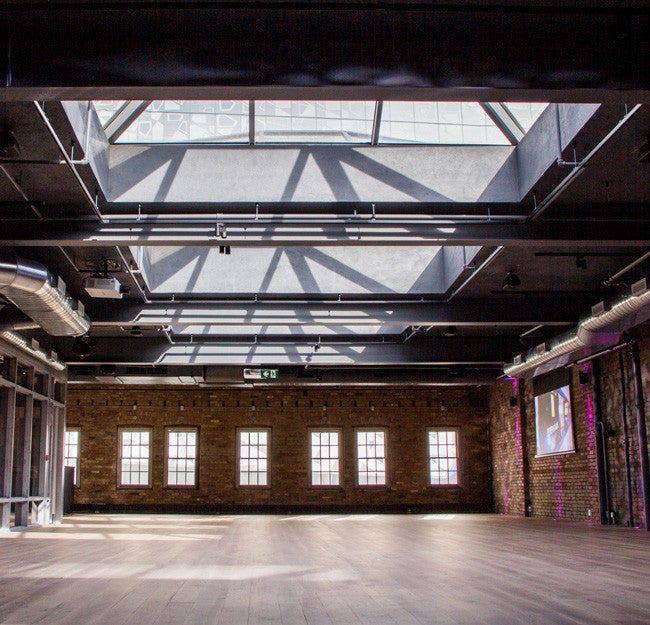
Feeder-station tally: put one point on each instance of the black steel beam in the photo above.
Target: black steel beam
(474, 313)
(148, 51)
(252, 233)
(421, 351)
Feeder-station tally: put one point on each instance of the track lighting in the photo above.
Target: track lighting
(511, 280)
(451, 331)
(224, 249)
(135, 331)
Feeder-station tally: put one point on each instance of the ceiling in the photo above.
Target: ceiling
(340, 263)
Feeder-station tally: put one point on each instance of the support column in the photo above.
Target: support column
(22, 507)
(8, 425)
(57, 464)
(642, 432)
(601, 446)
(42, 513)
(9, 410)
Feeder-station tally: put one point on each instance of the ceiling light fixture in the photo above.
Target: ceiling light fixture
(224, 249)
(511, 280)
(451, 331)
(82, 346)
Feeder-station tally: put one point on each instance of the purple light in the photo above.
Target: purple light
(557, 470)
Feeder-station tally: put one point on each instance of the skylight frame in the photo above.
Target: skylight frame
(499, 113)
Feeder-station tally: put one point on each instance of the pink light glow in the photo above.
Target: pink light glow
(557, 470)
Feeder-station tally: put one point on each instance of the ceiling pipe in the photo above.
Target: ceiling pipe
(601, 329)
(41, 296)
(612, 279)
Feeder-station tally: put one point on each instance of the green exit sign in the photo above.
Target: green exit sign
(261, 374)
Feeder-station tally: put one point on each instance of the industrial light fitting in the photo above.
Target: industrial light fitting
(451, 331)
(511, 280)
(82, 346)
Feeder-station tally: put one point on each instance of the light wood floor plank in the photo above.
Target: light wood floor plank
(323, 570)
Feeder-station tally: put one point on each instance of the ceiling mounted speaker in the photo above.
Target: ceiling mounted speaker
(511, 280)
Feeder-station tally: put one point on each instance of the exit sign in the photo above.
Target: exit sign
(261, 374)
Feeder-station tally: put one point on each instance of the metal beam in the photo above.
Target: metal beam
(124, 118)
(252, 233)
(500, 115)
(421, 351)
(478, 313)
(401, 46)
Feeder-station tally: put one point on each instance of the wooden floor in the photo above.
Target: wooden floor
(323, 570)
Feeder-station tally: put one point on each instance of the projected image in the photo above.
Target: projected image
(553, 422)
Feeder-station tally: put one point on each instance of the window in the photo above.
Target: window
(371, 457)
(438, 123)
(181, 457)
(313, 122)
(135, 451)
(325, 458)
(253, 457)
(443, 457)
(71, 452)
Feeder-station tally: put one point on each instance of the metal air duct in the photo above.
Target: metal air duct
(33, 289)
(601, 329)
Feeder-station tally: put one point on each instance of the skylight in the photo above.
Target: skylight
(106, 109)
(304, 122)
(525, 113)
(313, 122)
(459, 123)
(187, 121)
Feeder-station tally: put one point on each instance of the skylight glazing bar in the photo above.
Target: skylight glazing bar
(500, 115)
(124, 118)
(376, 122)
(251, 122)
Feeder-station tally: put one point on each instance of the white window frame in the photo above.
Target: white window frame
(371, 460)
(120, 450)
(240, 459)
(67, 456)
(168, 456)
(314, 459)
(444, 458)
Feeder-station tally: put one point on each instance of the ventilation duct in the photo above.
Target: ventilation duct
(601, 329)
(33, 289)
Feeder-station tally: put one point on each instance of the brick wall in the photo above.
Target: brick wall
(507, 440)
(565, 486)
(289, 412)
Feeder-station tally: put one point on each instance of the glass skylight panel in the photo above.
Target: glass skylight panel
(451, 123)
(526, 113)
(189, 121)
(313, 122)
(106, 109)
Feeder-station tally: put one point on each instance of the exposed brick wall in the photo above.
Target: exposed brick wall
(565, 486)
(618, 409)
(507, 442)
(289, 412)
